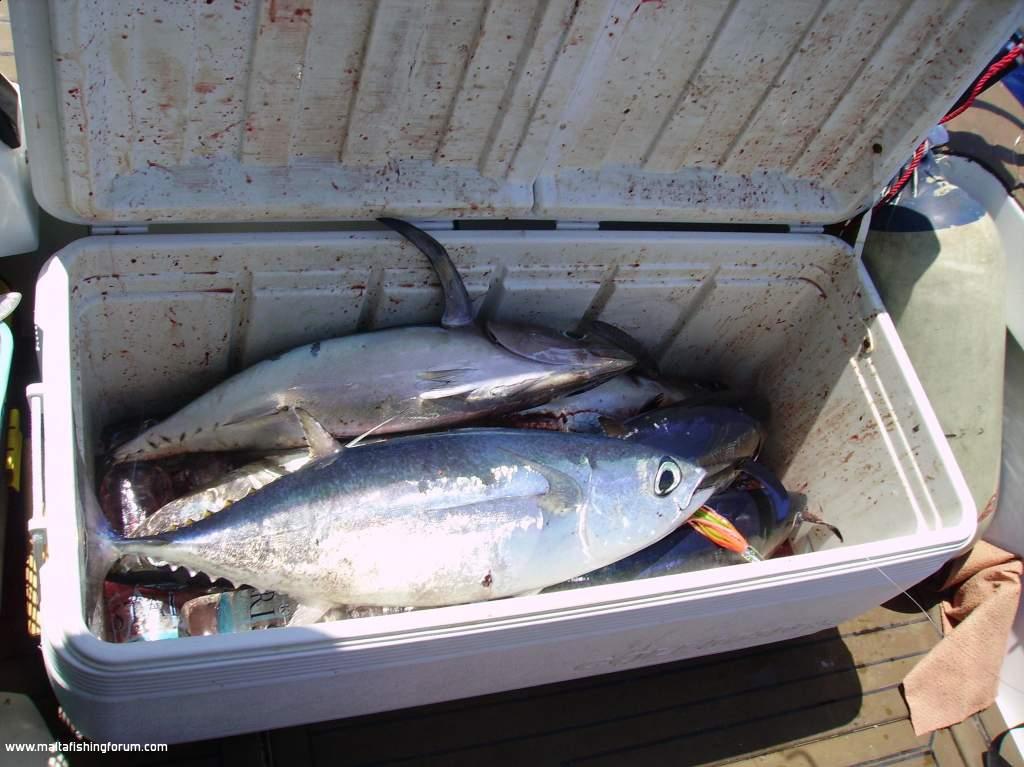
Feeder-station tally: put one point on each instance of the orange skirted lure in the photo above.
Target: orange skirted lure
(722, 532)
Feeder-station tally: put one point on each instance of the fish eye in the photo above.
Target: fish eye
(668, 477)
(572, 335)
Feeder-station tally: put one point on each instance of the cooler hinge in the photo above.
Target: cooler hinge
(806, 229)
(115, 229)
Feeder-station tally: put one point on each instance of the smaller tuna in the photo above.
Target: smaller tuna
(760, 511)
(715, 437)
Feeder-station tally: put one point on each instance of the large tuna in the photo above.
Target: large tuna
(438, 519)
(397, 380)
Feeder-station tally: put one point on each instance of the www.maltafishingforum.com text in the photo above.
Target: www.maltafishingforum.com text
(57, 747)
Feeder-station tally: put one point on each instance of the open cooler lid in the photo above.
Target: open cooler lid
(752, 111)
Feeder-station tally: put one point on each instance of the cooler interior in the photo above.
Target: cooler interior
(787, 320)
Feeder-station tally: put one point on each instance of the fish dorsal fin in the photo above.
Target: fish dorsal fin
(320, 441)
(458, 309)
(477, 304)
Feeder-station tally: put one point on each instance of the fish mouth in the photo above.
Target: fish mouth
(603, 359)
(603, 350)
(697, 499)
(612, 360)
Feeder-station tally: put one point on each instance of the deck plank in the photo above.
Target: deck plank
(947, 753)
(969, 740)
(813, 687)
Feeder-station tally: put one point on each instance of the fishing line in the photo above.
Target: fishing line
(720, 531)
(908, 595)
(938, 629)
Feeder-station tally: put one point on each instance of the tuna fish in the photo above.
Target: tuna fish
(436, 519)
(762, 513)
(715, 437)
(407, 378)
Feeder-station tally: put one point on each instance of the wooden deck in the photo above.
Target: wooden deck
(828, 699)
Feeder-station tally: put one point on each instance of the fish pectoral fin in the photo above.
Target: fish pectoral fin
(255, 414)
(477, 304)
(505, 389)
(564, 494)
(320, 441)
(658, 400)
(478, 388)
(450, 382)
(447, 377)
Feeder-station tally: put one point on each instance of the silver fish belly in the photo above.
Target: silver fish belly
(439, 519)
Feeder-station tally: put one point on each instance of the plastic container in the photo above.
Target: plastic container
(19, 215)
(570, 111)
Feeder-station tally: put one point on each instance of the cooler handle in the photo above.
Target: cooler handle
(37, 522)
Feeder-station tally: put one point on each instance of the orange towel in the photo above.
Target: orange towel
(960, 676)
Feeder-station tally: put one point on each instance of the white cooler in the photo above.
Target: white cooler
(782, 117)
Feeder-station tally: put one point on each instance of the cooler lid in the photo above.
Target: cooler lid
(297, 110)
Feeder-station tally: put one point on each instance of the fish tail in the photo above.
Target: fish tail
(104, 547)
(101, 553)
